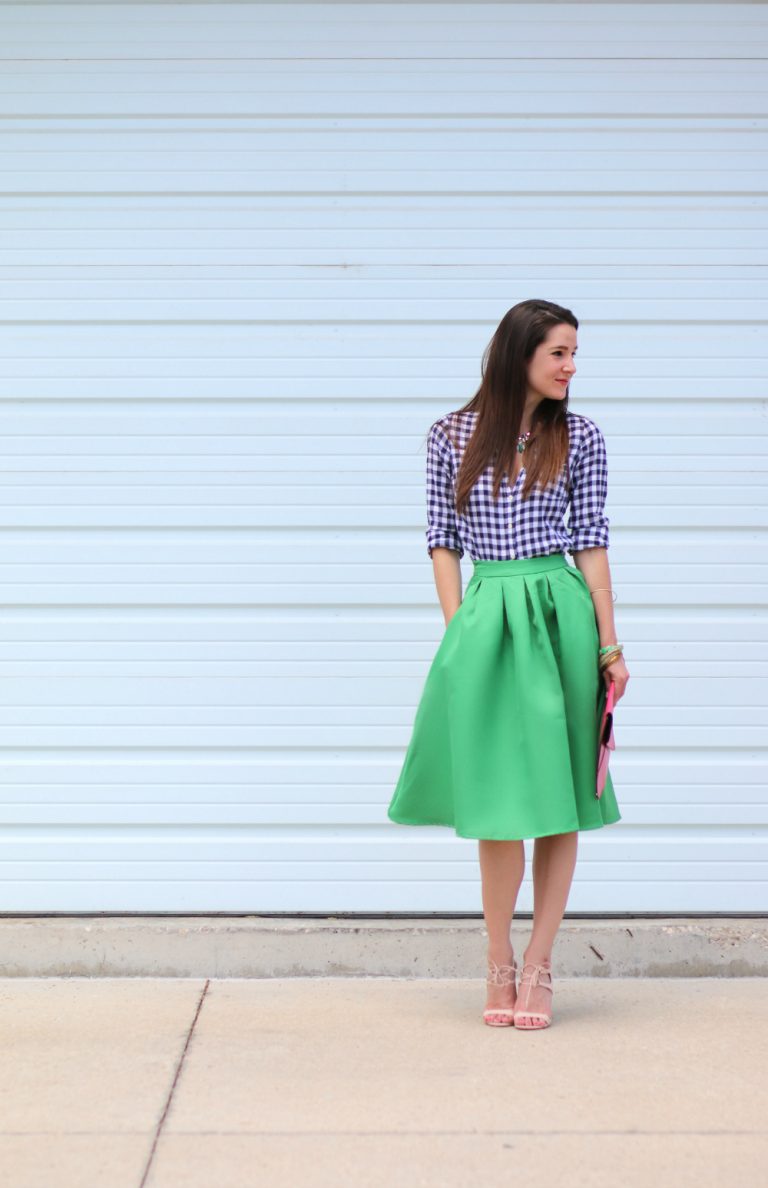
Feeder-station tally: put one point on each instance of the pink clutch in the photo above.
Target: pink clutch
(605, 741)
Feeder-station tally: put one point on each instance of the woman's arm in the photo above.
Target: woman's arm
(589, 540)
(447, 570)
(443, 538)
(593, 564)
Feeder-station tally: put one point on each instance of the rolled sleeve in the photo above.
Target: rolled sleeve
(588, 526)
(442, 529)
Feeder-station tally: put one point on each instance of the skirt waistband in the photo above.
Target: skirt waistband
(519, 565)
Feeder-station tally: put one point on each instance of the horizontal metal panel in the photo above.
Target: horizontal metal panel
(618, 349)
(509, 42)
(168, 380)
(679, 462)
(401, 654)
(198, 592)
(327, 777)
(223, 847)
(396, 479)
(307, 306)
(511, 261)
(303, 521)
(330, 546)
(305, 699)
(495, 78)
(275, 157)
(357, 580)
(226, 295)
(333, 20)
(705, 595)
(197, 864)
(661, 386)
(523, 178)
(752, 813)
(184, 891)
(132, 393)
(386, 257)
(191, 641)
(654, 138)
(738, 501)
(300, 206)
(361, 433)
(405, 650)
(434, 215)
(81, 725)
(335, 30)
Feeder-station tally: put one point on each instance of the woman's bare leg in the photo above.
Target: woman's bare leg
(554, 861)
(502, 865)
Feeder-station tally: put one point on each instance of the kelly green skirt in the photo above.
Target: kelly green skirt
(504, 741)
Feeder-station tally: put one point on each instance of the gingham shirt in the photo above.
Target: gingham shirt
(513, 527)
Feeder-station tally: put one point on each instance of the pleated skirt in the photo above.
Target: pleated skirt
(504, 739)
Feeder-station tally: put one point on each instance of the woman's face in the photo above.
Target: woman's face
(553, 362)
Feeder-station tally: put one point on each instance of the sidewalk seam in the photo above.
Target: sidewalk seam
(174, 1082)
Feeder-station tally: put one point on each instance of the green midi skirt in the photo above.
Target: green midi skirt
(504, 740)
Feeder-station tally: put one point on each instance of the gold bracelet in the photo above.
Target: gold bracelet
(609, 658)
(608, 588)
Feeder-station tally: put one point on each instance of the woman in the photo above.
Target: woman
(504, 741)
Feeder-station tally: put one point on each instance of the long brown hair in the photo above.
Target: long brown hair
(500, 403)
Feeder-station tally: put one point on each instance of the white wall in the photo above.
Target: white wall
(249, 253)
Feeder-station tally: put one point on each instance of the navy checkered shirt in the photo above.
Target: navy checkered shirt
(513, 527)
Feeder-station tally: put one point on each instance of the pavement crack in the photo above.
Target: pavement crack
(174, 1082)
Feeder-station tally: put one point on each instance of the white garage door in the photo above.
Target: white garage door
(250, 253)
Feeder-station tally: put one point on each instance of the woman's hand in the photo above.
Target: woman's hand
(447, 621)
(619, 674)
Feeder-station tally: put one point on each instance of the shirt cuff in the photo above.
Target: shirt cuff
(443, 540)
(590, 536)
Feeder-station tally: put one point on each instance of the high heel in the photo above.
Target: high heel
(500, 975)
(530, 980)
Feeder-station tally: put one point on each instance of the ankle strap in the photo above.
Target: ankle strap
(538, 970)
(499, 974)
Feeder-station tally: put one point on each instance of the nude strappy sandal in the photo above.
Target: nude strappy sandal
(530, 980)
(500, 975)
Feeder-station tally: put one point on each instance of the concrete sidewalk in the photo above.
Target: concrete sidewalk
(328, 1082)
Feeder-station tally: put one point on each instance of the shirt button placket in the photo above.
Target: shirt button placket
(511, 525)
